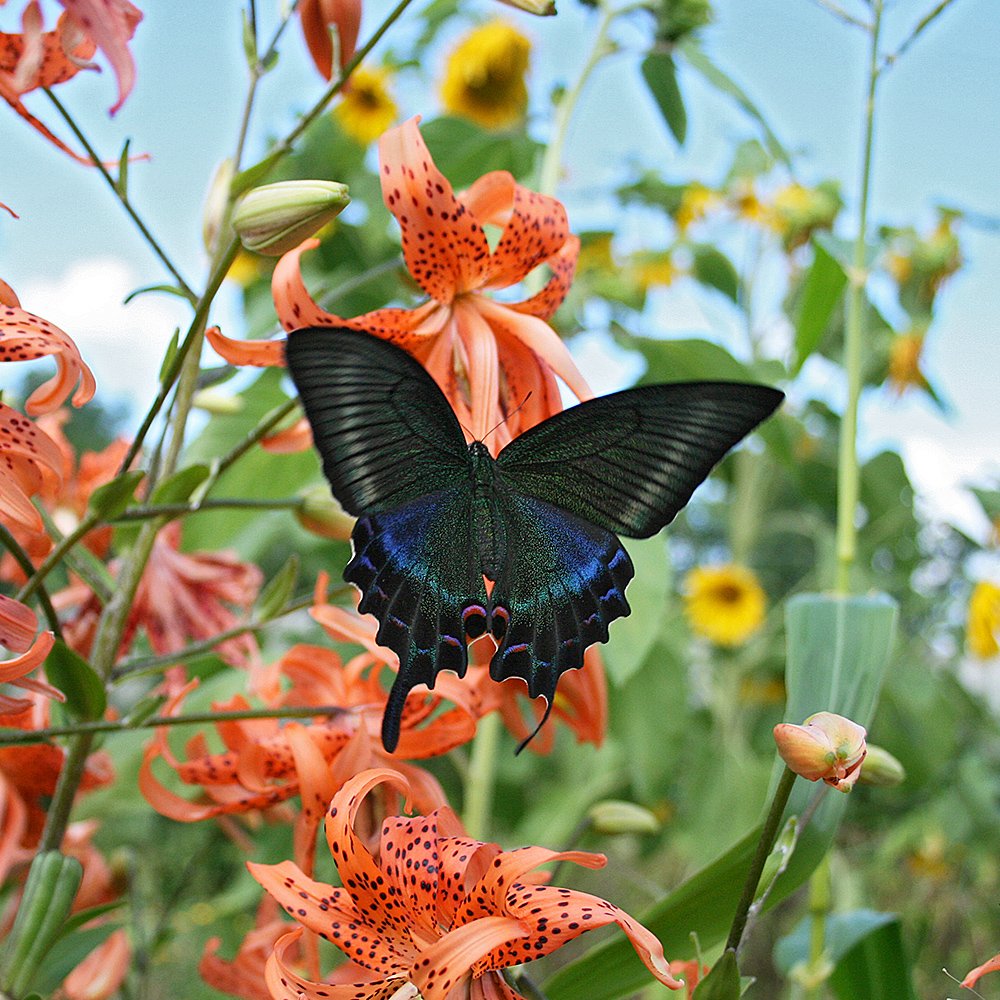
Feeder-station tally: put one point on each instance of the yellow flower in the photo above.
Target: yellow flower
(484, 77)
(696, 202)
(904, 361)
(653, 268)
(797, 211)
(724, 603)
(367, 109)
(984, 620)
(246, 269)
(746, 203)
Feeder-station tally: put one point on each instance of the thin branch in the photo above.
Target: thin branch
(153, 664)
(122, 197)
(22, 737)
(921, 25)
(56, 556)
(23, 560)
(173, 510)
(842, 15)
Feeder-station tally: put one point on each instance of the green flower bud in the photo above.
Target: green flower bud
(217, 402)
(614, 816)
(541, 8)
(276, 218)
(322, 515)
(216, 204)
(881, 768)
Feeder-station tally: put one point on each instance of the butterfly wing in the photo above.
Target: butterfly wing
(395, 456)
(630, 461)
(561, 585)
(383, 428)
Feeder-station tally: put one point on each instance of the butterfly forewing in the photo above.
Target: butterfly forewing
(630, 461)
(384, 430)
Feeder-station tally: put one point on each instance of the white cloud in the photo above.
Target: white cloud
(124, 344)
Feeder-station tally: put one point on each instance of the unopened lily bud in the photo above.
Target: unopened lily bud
(276, 218)
(216, 203)
(614, 816)
(541, 8)
(881, 768)
(826, 747)
(217, 402)
(322, 515)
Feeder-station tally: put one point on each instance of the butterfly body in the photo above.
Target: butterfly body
(437, 518)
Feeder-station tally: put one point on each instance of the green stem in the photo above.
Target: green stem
(173, 510)
(767, 837)
(819, 909)
(847, 464)
(480, 782)
(23, 560)
(153, 664)
(260, 431)
(122, 197)
(55, 557)
(548, 178)
(22, 737)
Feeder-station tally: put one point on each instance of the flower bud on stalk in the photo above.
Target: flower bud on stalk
(322, 515)
(276, 218)
(826, 747)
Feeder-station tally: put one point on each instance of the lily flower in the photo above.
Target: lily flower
(183, 597)
(317, 17)
(266, 762)
(33, 58)
(496, 362)
(29, 460)
(18, 628)
(24, 337)
(992, 965)
(446, 934)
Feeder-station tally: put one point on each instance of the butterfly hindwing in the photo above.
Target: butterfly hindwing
(413, 567)
(630, 461)
(385, 432)
(561, 585)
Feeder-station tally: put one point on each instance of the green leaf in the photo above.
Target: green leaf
(167, 289)
(67, 954)
(250, 177)
(179, 487)
(722, 982)
(866, 948)
(77, 920)
(76, 678)
(109, 500)
(660, 74)
(989, 500)
(121, 184)
(279, 588)
(843, 932)
(838, 649)
(635, 635)
(713, 268)
(464, 152)
(822, 291)
(169, 355)
(697, 60)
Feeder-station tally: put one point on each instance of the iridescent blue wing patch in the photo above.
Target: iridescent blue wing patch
(560, 587)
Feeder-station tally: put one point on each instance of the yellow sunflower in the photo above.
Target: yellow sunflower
(367, 108)
(484, 76)
(724, 603)
(983, 626)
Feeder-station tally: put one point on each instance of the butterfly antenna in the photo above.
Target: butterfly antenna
(505, 419)
(549, 702)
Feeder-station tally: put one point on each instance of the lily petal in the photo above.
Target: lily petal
(111, 25)
(12, 670)
(544, 303)
(537, 230)
(540, 337)
(444, 247)
(18, 624)
(993, 965)
(450, 960)
(480, 350)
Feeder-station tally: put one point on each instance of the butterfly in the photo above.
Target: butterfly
(437, 515)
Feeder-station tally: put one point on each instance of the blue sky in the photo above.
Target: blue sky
(72, 256)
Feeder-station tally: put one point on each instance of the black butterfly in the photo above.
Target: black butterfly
(436, 515)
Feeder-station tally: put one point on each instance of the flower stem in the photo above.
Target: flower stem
(55, 557)
(122, 196)
(21, 737)
(768, 834)
(819, 908)
(480, 781)
(848, 474)
(10, 543)
(173, 510)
